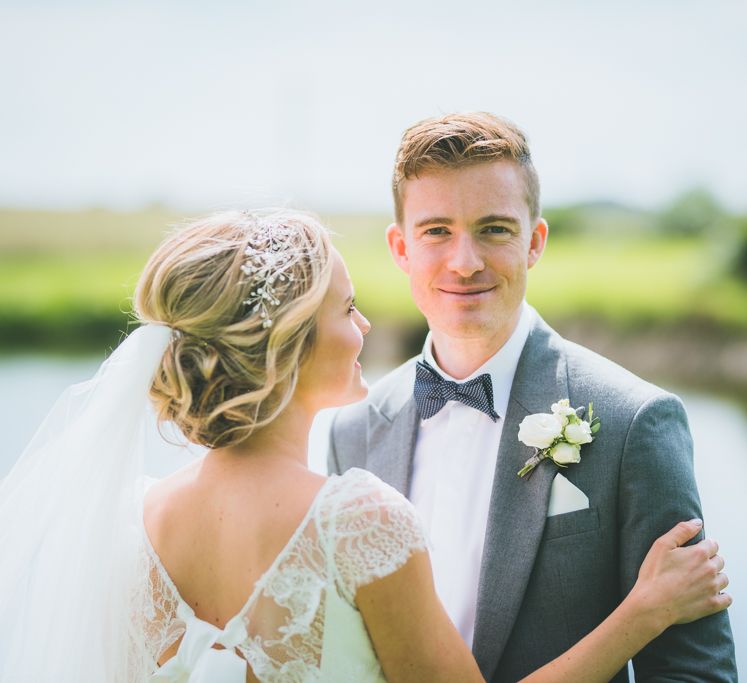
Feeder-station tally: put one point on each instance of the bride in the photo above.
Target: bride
(246, 566)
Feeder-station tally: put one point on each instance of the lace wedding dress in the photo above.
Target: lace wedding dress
(84, 597)
(300, 623)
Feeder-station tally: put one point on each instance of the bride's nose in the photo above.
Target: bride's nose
(363, 324)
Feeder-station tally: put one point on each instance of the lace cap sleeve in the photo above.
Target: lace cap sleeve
(372, 530)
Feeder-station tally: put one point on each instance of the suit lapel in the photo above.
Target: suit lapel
(392, 430)
(518, 507)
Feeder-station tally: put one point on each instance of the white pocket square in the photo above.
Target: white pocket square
(565, 497)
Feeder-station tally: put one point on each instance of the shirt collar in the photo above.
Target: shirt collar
(501, 367)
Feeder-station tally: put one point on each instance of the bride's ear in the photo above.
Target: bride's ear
(395, 238)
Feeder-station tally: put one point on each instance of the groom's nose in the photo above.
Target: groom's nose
(465, 259)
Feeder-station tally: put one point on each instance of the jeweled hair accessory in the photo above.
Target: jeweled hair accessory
(270, 257)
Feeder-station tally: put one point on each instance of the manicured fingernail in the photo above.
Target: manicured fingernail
(697, 521)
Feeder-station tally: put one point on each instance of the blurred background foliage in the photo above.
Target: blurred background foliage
(66, 278)
(664, 292)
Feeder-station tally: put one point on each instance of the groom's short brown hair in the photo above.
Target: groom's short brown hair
(458, 140)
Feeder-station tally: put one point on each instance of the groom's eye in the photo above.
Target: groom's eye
(496, 229)
(440, 230)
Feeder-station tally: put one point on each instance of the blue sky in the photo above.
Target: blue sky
(203, 105)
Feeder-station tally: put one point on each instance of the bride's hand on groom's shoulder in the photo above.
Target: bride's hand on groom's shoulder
(679, 583)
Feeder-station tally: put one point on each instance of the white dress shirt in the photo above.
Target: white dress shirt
(452, 479)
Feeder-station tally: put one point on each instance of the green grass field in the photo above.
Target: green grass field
(66, 278)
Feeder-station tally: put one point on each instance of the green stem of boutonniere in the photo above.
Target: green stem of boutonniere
(530, 464)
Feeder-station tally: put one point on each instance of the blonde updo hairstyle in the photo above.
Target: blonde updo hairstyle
(227, 372)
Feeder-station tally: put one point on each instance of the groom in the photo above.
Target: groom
(525, 567)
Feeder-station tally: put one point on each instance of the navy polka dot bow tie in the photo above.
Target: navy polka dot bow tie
(433, 391)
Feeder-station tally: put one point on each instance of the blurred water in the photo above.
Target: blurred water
(29, 386)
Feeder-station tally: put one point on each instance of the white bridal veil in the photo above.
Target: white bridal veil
(71, 589)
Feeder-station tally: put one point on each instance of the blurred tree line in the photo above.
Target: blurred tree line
(66, 278)
(695, 213)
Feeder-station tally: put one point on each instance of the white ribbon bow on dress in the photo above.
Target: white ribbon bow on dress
(197, 661)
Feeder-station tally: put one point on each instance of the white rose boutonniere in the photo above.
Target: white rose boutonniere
(558, 435)
(540, 430)
(563, 410)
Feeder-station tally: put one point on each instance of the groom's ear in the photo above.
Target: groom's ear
(395, 238)
(537, 242)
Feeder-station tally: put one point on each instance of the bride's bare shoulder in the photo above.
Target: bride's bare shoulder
(160, 491)
(203, 489)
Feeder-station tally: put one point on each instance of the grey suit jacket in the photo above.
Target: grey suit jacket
(547, 582)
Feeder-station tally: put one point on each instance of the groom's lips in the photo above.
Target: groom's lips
(466, 293)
